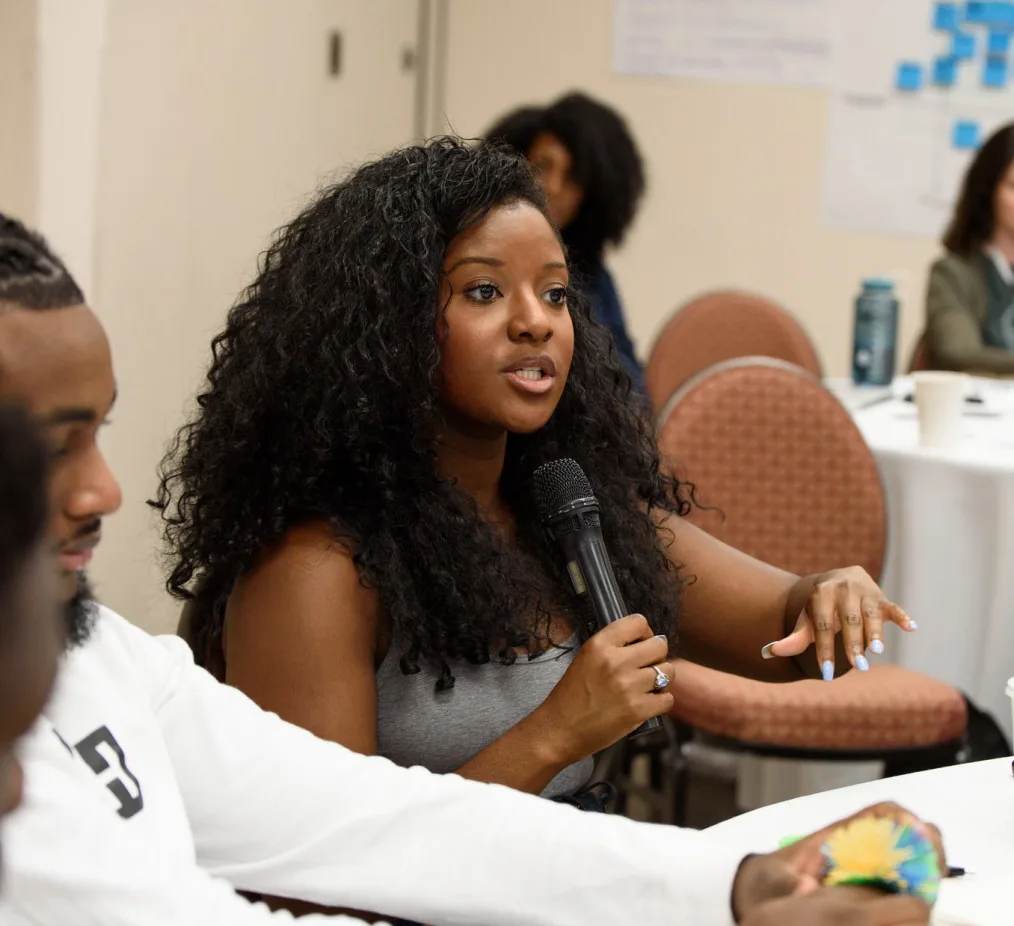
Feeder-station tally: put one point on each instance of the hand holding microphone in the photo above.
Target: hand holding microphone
(623, 658)
(609, 689)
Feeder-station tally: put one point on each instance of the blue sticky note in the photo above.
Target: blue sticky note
(945, 17)
(909, 76)
(990, 14)
(994, 72)
(945, 71)
(1003, 15)
(1000, 15)
(998, 43)
(966, 136)
(976, 12)
(963, 45)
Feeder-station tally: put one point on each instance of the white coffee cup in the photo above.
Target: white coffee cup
(940, 400)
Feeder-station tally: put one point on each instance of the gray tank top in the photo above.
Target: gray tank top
(416, 725)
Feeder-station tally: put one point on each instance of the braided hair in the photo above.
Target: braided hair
(31, 275)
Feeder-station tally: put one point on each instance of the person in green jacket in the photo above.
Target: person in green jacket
(970, 298)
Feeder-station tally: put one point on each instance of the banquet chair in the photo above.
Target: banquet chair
(720, 326)
(782, 473)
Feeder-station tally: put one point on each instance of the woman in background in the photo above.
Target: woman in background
(970, 299)
(591, 173)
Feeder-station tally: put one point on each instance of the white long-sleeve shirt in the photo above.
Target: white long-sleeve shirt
(152, 791)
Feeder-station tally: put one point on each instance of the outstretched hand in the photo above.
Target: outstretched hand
(846, 601)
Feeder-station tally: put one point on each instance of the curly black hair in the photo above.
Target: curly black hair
(606, 165)
(322, 403)
(972, 223)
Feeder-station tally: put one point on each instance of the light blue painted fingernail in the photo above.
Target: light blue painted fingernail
(861, 664)
(877, 646)
(827, 670)
(912, 625)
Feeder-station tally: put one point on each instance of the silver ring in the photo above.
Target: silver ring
(661, 679)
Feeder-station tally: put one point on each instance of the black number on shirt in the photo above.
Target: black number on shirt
(88, 749)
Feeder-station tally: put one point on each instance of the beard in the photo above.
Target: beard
(80, 613)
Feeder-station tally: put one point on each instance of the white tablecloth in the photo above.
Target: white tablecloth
(950, 560)
(972, 804)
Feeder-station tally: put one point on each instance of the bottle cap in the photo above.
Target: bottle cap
(878, 283)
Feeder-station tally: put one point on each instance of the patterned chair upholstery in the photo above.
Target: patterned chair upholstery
(797, 487)
(846, 717)
(795, 484)
(720, 326)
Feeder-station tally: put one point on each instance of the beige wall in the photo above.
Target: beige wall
(158, 144)
(218, 120)
(734, 172)
(17, 108)
(70, 43)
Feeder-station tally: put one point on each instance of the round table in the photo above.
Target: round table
(950, 560)
(972, 804)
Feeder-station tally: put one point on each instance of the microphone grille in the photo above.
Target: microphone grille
(557, 483)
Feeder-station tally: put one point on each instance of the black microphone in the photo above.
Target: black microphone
(569, 511)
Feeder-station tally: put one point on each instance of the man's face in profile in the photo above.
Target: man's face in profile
(57, 363)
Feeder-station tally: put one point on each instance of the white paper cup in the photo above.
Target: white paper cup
(940, 400)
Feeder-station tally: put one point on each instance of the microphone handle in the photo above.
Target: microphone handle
(592, 575)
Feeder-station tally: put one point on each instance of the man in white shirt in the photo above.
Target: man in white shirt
(153, 792)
